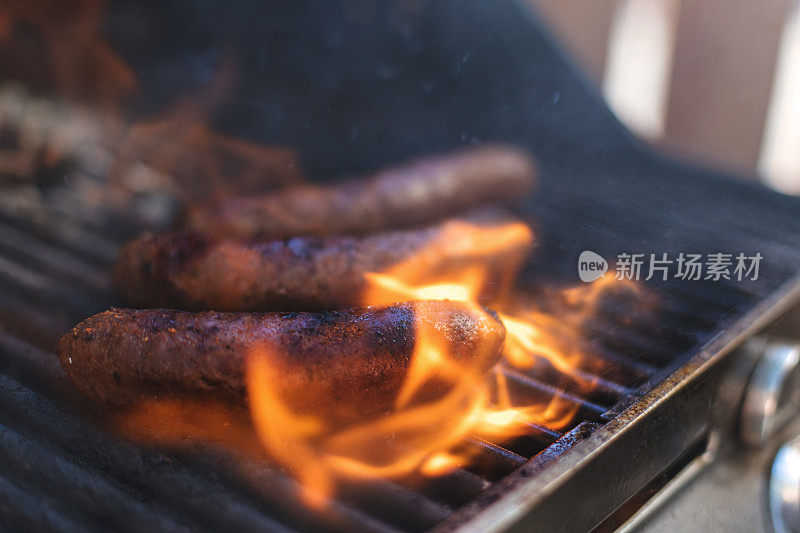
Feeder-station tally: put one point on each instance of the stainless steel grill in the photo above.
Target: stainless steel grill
(650, 411)
(56, 458)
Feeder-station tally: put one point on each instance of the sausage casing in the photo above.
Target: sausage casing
(418, 192)
(345, 364)
(198, 272)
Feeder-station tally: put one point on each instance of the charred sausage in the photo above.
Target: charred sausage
(344, 364)
(195, 272)
(419, 192)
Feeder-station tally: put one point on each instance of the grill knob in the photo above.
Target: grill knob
(773, 393)
(784, 489)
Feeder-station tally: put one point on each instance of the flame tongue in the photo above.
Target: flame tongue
(491, 249)
(434, 404)
(446, 391)
(349, 366)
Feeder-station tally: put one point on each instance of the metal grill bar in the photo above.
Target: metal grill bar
(24, 511)
(94, 248)
(523, 387)
(82, 495)
(161, 481)
(454, 489)
(17, 246)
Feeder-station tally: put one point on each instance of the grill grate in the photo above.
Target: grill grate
(60, 471)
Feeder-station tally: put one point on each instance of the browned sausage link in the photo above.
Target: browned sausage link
(419, 192)
(193, 272)
(343, 363)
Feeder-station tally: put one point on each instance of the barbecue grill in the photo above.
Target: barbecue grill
(356, 86)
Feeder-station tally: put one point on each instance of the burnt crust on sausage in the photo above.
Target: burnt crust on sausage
(200, 272)
(346, 363)
(416, 193)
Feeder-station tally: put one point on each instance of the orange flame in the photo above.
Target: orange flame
(421, 435)
(174, 423)
(492, 253)
(318, 450)
(551, 327)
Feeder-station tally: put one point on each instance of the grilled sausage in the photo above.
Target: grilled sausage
(419, 192)
(194, 272)
(344, 364)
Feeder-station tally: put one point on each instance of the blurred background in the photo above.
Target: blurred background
(714, 81)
